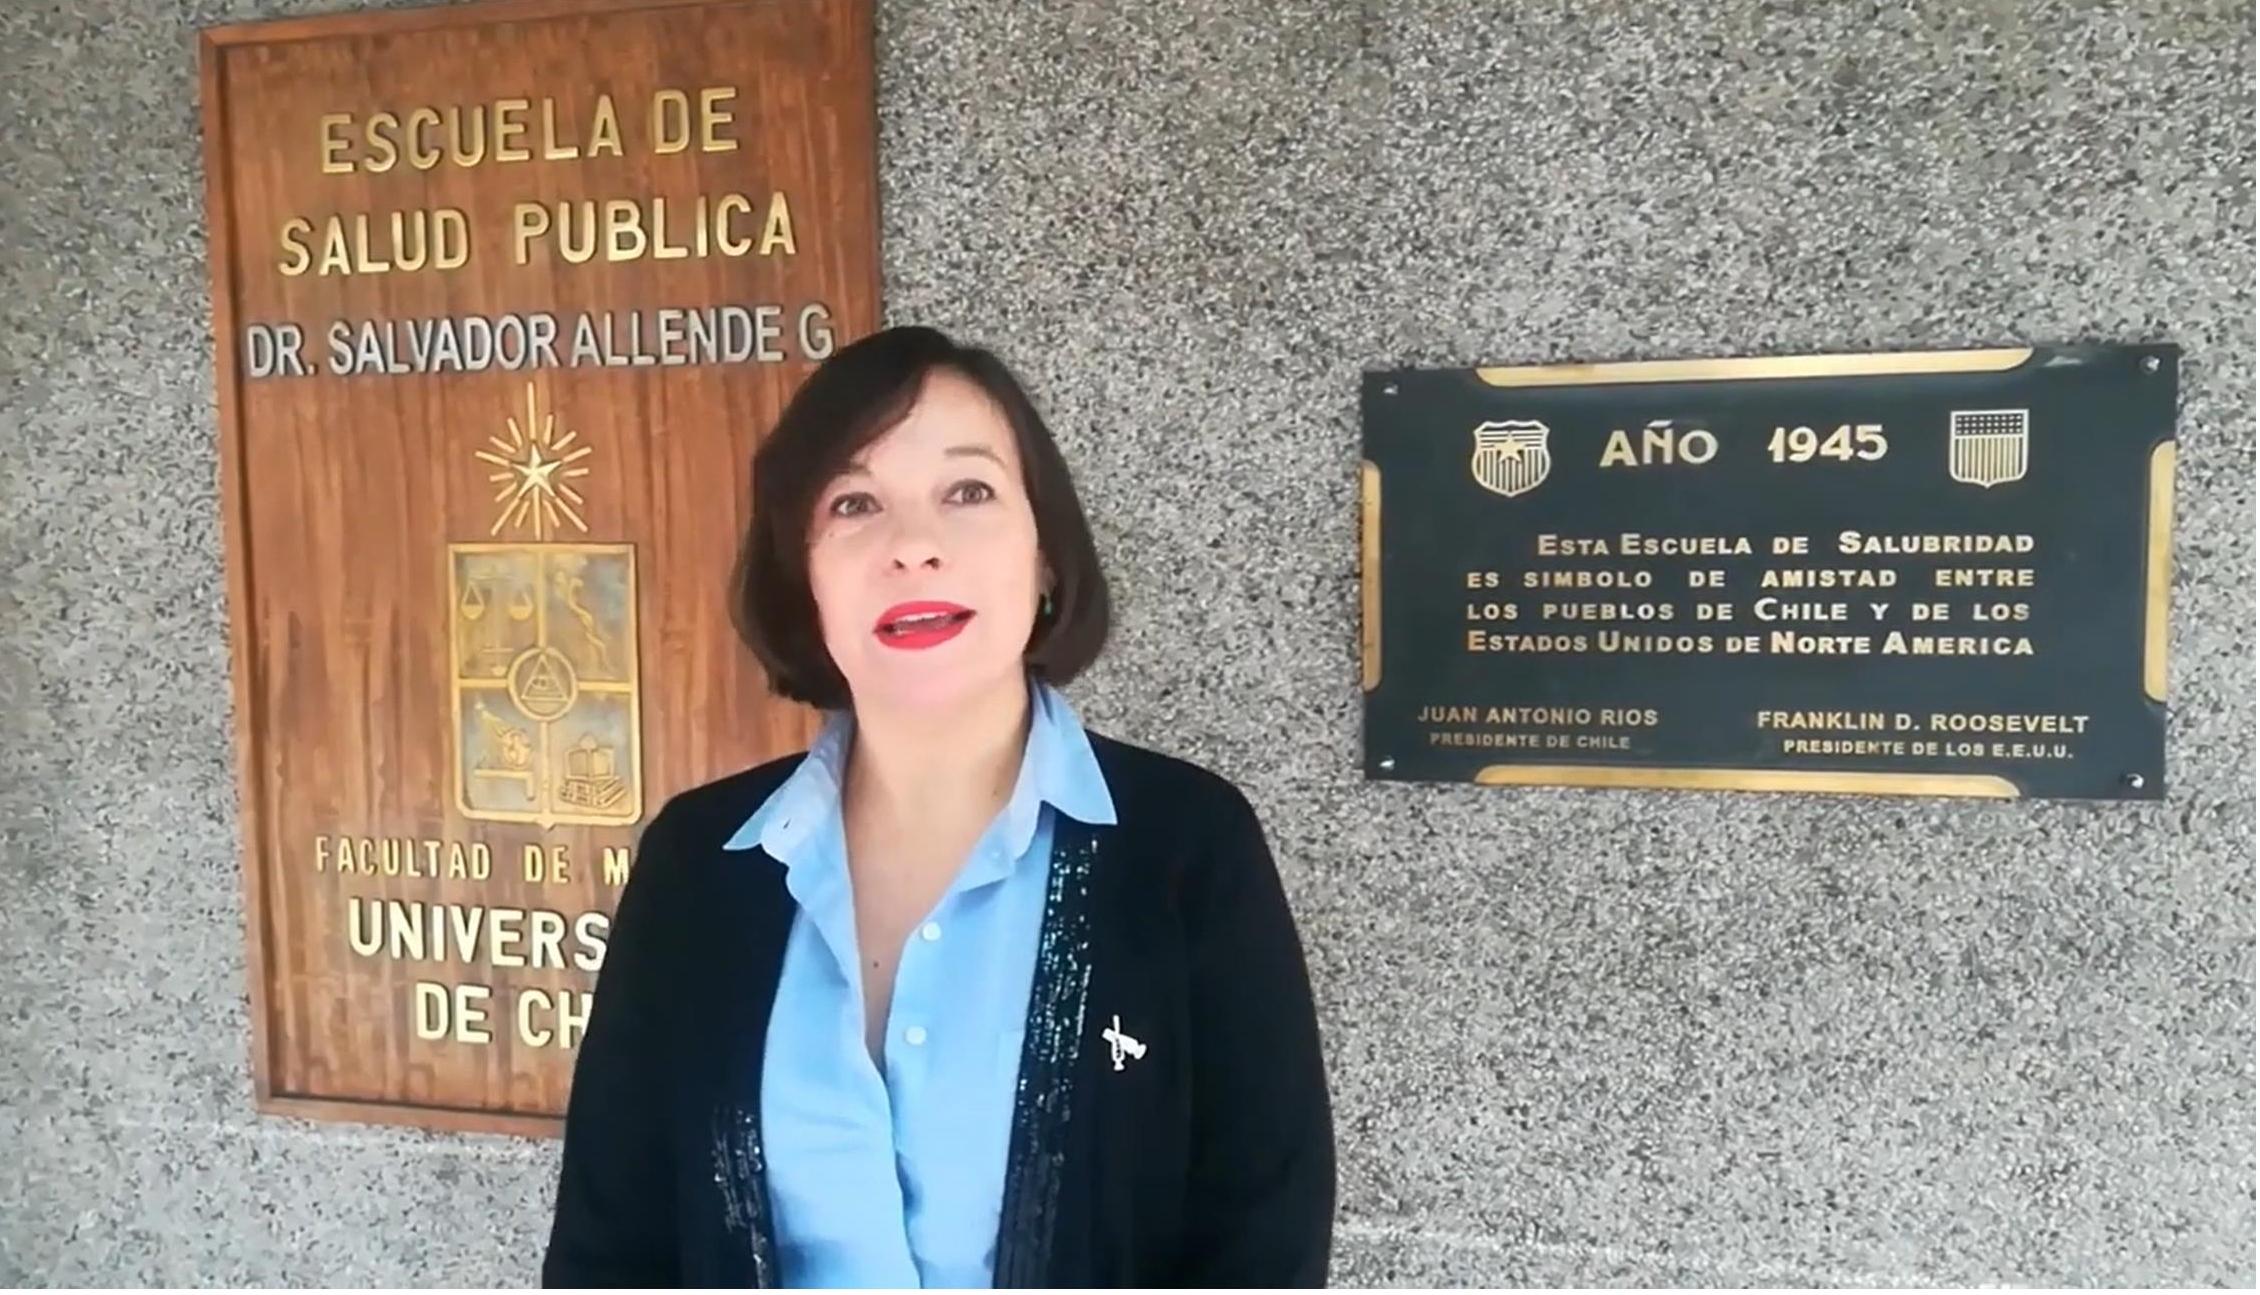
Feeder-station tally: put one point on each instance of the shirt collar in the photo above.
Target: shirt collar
(806, 801)
(1057, 768)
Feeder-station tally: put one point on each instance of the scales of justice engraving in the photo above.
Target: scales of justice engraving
(1988, 447)
(1510, 456)
(547, 710)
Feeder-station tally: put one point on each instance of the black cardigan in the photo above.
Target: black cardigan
(1207, 1162)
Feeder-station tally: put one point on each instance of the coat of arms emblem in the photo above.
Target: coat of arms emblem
(1986, 447)
(546, 723)
(1510, 456)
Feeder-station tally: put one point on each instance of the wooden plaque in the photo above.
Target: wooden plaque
(505, 295)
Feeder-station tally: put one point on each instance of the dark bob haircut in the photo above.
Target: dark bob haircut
(851, 400)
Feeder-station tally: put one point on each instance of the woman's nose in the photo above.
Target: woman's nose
(913, 545)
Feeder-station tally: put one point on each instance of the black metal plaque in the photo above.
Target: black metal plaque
(1934, 573)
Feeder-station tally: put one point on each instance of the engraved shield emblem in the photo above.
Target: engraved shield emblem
(546, 710)
(1510, 456)
(1987, 447)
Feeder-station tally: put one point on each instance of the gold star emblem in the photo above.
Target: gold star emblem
(535, 467)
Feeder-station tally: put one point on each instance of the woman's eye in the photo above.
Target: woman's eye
(850, 505)
(972, 492)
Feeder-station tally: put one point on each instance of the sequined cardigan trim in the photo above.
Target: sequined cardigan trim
(1056, 1004)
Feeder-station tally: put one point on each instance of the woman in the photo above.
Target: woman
(964, 995)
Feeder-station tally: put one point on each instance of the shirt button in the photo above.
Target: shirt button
(930, 932)
(915, 1036)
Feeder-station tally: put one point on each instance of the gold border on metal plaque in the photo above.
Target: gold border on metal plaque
(1820, 780)
(1877, 364)
(2158, 570)
(1990, 360)
(1369, 568)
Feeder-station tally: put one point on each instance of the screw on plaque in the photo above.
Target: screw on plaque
(2134, 780)
(1388, 764)
(2150, 364)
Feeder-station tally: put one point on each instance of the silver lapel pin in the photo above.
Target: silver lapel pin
(1122, 1045)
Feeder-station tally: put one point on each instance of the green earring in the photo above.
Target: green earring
(1044, 608)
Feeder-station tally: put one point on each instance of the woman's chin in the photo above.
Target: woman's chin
(923, 683)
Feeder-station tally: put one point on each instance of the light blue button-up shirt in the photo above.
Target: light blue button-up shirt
(896, 1178)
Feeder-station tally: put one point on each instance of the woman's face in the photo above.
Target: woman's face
(923, 557)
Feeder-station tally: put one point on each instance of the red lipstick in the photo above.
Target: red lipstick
(917, 625)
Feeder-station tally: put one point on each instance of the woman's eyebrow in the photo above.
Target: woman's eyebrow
(858, 468)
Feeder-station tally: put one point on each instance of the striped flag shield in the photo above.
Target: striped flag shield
(1987, 447)
(1510, 457)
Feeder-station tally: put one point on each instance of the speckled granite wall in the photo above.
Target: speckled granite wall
(1576, 1037)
